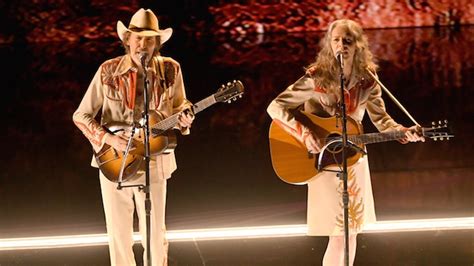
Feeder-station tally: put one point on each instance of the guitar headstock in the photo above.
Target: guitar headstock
(230, 91)
(438, 131)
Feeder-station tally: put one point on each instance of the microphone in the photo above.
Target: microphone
(340, 59)
(143, 58)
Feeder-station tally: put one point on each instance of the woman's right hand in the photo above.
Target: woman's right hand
(312, 144)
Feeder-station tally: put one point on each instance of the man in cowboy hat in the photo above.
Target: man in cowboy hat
(117, 89)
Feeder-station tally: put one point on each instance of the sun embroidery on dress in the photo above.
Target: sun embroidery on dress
(356, 205)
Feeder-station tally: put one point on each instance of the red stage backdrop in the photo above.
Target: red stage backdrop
(259, 16)
(52, 20)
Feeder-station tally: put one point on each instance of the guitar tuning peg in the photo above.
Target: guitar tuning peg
(433, 123)
(229, 101)
(240, 96)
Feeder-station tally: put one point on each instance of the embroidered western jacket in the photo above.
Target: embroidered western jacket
(361, 95)
(113, 90)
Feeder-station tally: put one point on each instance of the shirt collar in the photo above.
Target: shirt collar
(126, 64)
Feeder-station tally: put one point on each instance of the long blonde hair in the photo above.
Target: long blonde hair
(325, 69)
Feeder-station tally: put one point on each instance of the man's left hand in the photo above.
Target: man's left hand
(185, 119)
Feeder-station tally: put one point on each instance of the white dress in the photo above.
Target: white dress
(325, 209)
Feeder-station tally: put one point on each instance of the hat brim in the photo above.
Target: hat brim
(165, 34)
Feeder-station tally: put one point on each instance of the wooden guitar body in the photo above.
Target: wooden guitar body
(290, 158)
(110, 160)
(293, 164)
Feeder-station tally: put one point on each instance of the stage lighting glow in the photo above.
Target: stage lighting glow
(235, 233)
(238, 232)
(420, 225)
(53, 242)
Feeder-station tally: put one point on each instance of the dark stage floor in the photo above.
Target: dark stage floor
(224, 176)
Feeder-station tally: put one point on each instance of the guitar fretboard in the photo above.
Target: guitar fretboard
(376, 137)
(204, 103)
(170, 122)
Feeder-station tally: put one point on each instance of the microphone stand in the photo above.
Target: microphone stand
(343, 175)
(346, 145)
(124, 160)
(146, 188)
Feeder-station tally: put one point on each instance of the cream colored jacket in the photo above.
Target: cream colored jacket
(360, 96)
(112, 91)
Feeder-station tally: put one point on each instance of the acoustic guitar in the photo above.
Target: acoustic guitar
(162, 137)
(293, 164)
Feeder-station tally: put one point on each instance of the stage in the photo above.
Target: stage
(225, 178)
(432, 246)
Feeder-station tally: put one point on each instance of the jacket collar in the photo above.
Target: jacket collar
(126, 64)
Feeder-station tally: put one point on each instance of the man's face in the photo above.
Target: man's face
(139, 44)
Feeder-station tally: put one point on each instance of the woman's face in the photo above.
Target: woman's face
(342, 41)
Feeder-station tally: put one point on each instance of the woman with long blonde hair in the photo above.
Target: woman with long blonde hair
(318, 92)
(326, 67)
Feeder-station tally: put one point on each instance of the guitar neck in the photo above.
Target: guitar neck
(204, 103)
(172, 121)
(376, 137)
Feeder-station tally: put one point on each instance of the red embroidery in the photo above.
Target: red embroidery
(106, 74)
(126, 83)
(93, 135)
(295, 132)
(320, 89)
(132, 89)
(351, 98)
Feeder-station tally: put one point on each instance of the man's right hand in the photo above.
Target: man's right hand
(118, 142)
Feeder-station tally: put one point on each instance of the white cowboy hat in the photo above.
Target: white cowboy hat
(144, 23)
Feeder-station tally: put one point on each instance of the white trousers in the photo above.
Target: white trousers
(119, 206)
